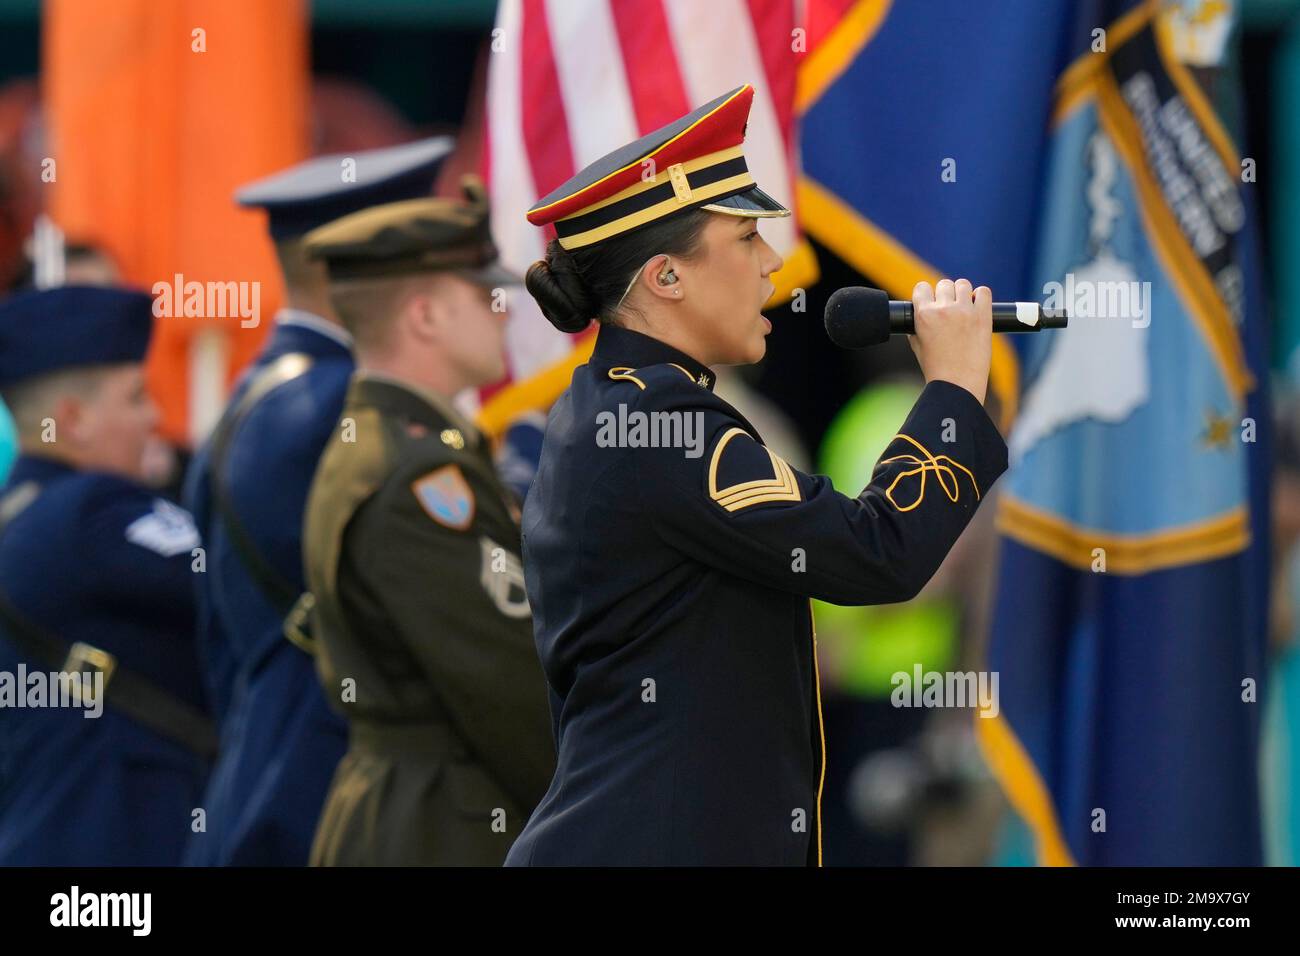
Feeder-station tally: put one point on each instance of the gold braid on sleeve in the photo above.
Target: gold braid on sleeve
(941, 465)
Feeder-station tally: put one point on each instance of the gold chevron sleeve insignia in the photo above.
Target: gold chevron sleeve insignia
(782, 486)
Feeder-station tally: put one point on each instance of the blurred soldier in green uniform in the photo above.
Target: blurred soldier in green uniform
(412, 554)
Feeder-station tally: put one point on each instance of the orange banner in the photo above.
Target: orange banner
(156, 113)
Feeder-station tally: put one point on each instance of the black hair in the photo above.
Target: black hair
(575, 286)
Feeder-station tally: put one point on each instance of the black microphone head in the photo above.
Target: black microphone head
(858, 317)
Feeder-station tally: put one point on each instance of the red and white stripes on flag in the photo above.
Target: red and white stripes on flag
(571, 80)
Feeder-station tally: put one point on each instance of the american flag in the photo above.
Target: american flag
(571, 80)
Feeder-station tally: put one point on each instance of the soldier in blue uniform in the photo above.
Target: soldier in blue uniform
(247, 487)
(670, 555)
(96, 586)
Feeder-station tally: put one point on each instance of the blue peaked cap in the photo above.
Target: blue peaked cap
(300, 198)
(48, 330)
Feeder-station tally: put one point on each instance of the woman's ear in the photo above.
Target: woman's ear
(659, 276)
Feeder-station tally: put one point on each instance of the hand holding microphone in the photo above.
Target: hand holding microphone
(953, 341)
(949, 327)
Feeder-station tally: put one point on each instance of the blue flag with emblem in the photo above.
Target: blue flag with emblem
(1129, 627)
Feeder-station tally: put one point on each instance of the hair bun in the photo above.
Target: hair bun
(560, 292)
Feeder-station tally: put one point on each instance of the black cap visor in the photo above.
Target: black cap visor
(752, 203)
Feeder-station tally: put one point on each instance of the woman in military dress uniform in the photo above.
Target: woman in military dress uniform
(670, 555)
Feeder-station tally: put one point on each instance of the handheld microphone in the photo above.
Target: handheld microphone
(858, 317)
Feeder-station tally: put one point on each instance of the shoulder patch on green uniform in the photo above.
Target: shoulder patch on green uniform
(446, 496)
(743, 473)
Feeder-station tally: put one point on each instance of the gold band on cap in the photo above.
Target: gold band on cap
(657, 211)
(679, 176)
(661, 177)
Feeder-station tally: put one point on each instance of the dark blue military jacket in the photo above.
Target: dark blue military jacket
(280, 741)
(97, 559)
(670, 586)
